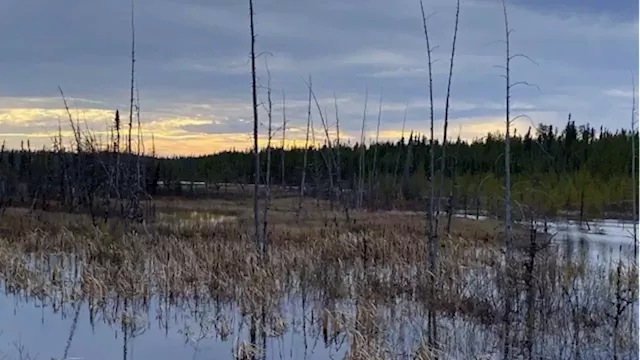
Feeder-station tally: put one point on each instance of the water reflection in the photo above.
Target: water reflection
(605, 243)
(204, 333)
(312, 325)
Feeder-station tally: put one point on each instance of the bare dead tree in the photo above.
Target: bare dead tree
(153, 145)
(443, 157)
(118, 170)
(433, 231)
(338, 166)
(337, 152)
(507, 168)
(507, 154)
(74, 185)
(345, 204)
(284, 137)
(265, 238)
(76, 131)
(316, 168)
(373, 176)
(133, 67)
(634, 184)
(633, 168)
(407, 163)
(304, 156)
(507, 164)
(361, 167)
(116, 150)
(139, 143)
(135, 191)
(256, 150)
(395, 171)
(330, 160)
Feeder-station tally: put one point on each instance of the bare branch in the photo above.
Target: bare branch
(520, 116)
(512, 85)
(522, 56)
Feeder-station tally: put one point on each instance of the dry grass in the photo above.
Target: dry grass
(366, 277)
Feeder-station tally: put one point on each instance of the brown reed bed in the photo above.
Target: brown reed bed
(363, 278)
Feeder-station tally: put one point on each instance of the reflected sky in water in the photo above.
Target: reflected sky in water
(44, 333)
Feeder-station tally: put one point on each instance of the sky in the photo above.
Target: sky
(194, 81)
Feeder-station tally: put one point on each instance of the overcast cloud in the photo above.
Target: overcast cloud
(194, 80)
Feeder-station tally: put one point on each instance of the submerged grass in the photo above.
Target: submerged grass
(361, 286)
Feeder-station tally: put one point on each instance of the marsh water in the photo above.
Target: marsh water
(31, 328)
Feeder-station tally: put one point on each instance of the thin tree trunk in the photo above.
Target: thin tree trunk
(507, 164)
(305, 156)
(330, 160)
(316, 168)
(284, 138)
(338, 165)
(133, 67)
(433, 231)
(361, 170)
(634, 185)
(407, 164)
(373, 178)
(265, 238)
(256, 153)
(633, 171)
(339, 199)
(443, 157)
(395, 171)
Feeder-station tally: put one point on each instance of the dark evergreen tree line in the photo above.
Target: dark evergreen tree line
(604, 154)
(570, 165)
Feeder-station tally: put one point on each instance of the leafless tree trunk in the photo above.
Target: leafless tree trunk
(75, 185)
(140, 150)
(316, 168)
(446, 123)
(330, 160)
(265, 238)
(373, 177)
(133, 62)
(361, 167)
(634, 184)
(407, 163)
(506, 284)
(256, 150)
(305, 155)
(338, 169)
(134, 192)
(633, 170)
(507, 164)
(118, 170)
(433, 231)
(284, 137)
(339, 199)
(395, 171)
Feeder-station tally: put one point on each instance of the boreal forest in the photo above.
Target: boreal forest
(575, 168)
